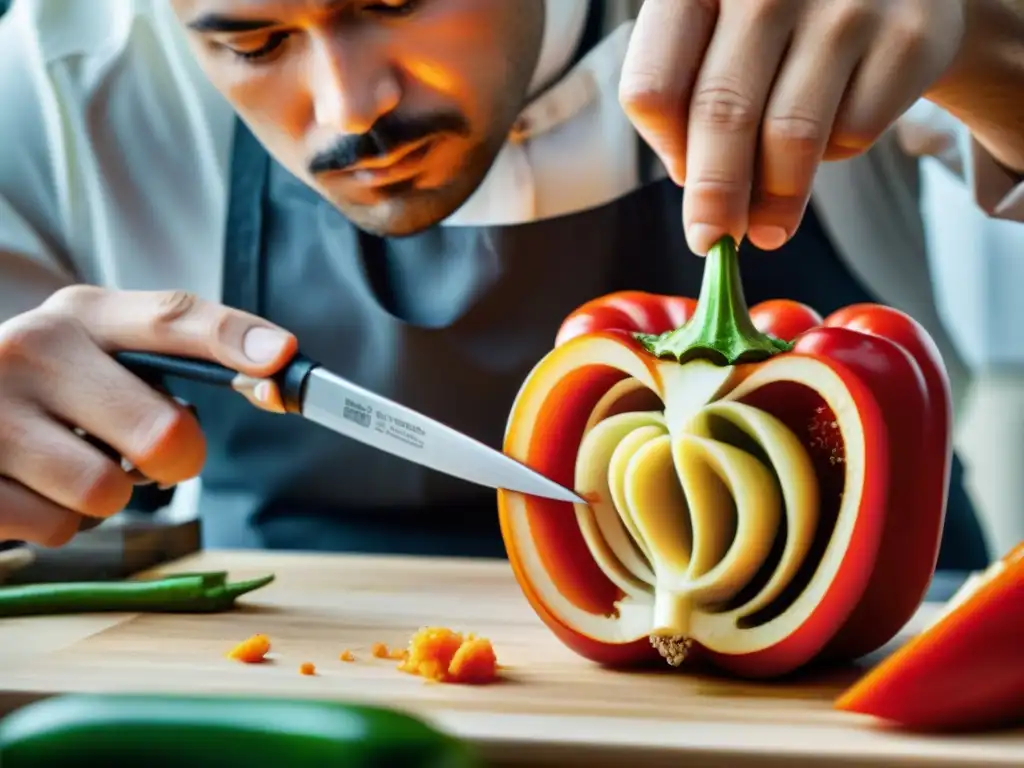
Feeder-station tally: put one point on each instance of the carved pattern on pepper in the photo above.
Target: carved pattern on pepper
(689, 517)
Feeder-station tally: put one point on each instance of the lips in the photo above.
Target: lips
(399, 166)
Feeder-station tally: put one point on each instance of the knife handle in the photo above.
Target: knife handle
(153, 368)
(290, 381)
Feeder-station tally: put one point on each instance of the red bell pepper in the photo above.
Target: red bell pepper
(963, 672)
(766, 487)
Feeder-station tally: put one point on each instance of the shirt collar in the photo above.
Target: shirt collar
(564, 21)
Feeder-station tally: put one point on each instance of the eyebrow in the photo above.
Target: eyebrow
(214, 22)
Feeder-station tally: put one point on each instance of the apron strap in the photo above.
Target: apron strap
(250, 164)
(242, 262)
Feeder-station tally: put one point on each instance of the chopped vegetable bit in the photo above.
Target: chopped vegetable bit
(381, 651)
(346, 655)
(307, 668)
(251, 651)
(442, 655)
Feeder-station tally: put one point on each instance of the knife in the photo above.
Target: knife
(307, 389)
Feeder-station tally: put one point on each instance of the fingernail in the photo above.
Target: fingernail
(700, 237)
(262, 391)
(261, 345)
(768, 238)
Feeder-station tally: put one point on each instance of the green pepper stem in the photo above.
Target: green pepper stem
(721, 329)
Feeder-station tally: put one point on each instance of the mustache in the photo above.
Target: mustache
(390, 133)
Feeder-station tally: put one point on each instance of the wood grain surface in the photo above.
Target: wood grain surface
(553, 709)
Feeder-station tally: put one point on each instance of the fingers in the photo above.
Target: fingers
(908, 49)
(665, 52)
(49, 460)
(52, 362)
(743, 99)
(57, 378)
(799, 118)
(726, 111)
(28, 516)
(179, 323)
(159, 436)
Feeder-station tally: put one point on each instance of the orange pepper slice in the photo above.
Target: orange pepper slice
(252, 650)
(963, 672)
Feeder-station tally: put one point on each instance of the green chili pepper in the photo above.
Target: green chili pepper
(184, 593)
(196, 732)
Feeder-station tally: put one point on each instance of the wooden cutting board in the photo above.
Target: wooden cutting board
(554, 708)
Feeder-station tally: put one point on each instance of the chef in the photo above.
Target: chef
(419, 191)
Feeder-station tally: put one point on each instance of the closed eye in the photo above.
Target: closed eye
(393, 8)
(273, 42)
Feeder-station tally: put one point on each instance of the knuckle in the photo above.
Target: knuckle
(15, 433)
(646, 93)
(795, 133)
(850, 20)
(223, 325)
(908, 34)
(717, 183)
(171, 307)
(768, 10)
(73, 299)
(99, 487)
(723, 106)
(856, 134)
(29, 338)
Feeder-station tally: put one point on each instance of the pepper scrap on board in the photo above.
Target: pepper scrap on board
(442, 655)
(252, 650)
(766, 487)
(437, 654)
(965, 671)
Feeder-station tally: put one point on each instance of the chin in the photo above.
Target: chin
(404, 210)
(410, 207)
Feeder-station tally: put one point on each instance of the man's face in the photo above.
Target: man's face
(393, 110)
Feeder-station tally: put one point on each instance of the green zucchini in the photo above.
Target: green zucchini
(219, 732)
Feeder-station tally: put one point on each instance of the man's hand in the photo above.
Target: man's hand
(56, 374)
(742, 99)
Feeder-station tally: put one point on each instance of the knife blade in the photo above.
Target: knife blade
(307, 389)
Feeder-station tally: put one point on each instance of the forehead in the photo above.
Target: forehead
(190, 10)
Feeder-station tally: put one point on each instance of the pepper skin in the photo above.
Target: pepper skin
(965, 672)
(219, 732)
(862, 391)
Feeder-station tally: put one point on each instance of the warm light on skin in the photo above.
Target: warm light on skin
(326, 70)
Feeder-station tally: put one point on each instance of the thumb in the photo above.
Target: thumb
(178, 323)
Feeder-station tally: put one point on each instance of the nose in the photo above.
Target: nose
(352, 86)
